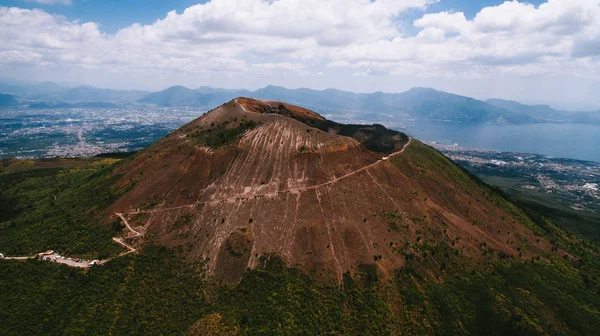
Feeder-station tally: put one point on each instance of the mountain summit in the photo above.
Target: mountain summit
(253, 178)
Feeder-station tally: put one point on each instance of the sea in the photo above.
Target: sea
(573, 141)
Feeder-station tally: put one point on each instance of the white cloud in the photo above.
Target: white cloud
(444, 21)
(348, 37)
(218, 30)
(19, 57)
(51, 2)
(510, 36)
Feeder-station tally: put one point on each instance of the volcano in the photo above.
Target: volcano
(258, 178)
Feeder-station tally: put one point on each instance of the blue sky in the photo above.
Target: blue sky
(110, 14)
(545, 51)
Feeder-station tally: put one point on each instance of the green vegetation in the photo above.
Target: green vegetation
(275, 299)
(585, 224)
(375, 137)
(155, 292)
(58, 208)
(151, 293)
(223, 134)
(428, 160)
(502, 297)
(116, 155)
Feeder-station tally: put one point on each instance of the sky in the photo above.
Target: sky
(531, 51)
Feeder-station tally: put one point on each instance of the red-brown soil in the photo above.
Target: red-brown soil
(321, 201)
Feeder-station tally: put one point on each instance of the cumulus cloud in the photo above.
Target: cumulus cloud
(51, 2)
(362, 37)
(506, 37)
(232, 30)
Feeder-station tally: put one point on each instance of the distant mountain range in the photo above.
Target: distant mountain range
(88, 93)
(59, 104)
(179, 96)
(418, 103)
(545, 113)
(52, 92)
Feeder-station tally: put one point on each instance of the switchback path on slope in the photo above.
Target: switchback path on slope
(136, 233)
(248, 196)
(82, 263)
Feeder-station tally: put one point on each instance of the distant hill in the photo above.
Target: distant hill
(51, 95)
(92, 94)
(545, 113)
(437, 105)
(48, 91)
(420, 103)
(61, 104)
(173, 96)
(182, 96)
(7, 100)
(29, 89)
(540, 111)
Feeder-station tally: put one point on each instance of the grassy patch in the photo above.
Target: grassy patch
(152, 293)
(155, 292)
(223, 134)
(274, 299)
(56, 208)
(504, 298)
(430, 160)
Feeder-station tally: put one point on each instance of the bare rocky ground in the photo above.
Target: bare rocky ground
(322, 201)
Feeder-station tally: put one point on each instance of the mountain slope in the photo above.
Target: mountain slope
(28, 89)
(92, 94)
(545, 113)
(537, 110)
(433, 104)
(7, 100)
(51, 92)
(173, 96)
(255, 177)
(178, 96)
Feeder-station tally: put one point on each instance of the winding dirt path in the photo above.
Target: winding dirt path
(124, 220)
(243, 107)
(124, 244)
(353, 172)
